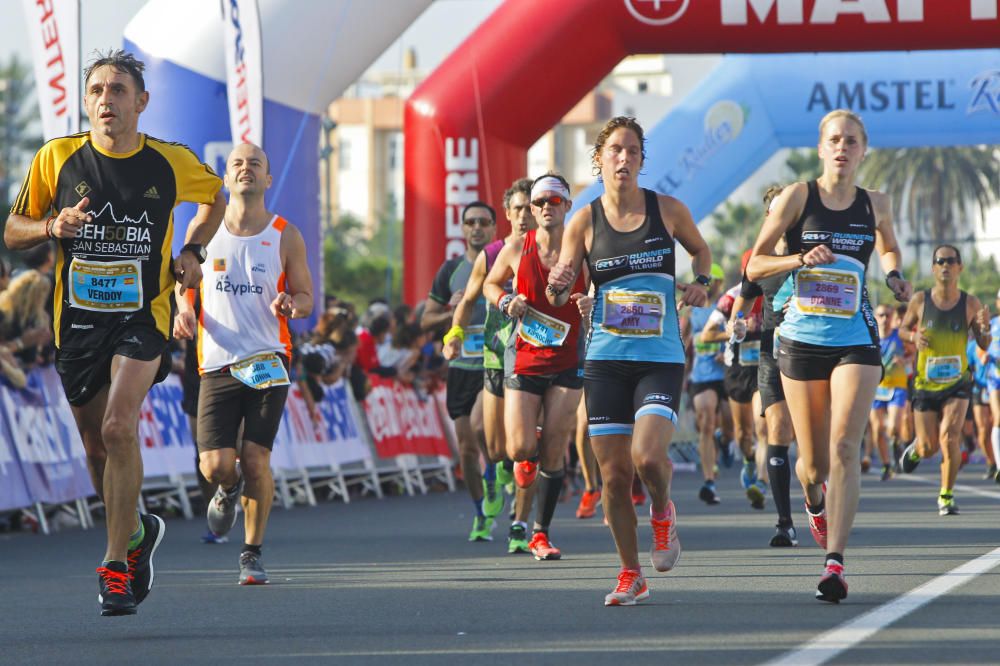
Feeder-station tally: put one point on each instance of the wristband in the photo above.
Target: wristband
(892, 274)
(703, 280)
(48, 226)
(802, 258)
(504, 303)
(454, 333)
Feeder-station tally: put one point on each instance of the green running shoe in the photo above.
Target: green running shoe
(517, 540)
(482, 529)
(503, 476)
(493, 500)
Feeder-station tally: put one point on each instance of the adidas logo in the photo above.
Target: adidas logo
(151, 193)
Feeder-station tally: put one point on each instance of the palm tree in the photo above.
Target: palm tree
(17, 113)
(736, 227)
(939, 191)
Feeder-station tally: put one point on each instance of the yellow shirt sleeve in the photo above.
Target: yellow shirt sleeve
(196, 182)
(34, 200)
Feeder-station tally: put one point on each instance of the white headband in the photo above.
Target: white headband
(551, 184)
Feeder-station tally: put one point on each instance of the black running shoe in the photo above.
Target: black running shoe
(140, 560)
(784, 537)
(909, 460)
(115, 589)
(708, 495)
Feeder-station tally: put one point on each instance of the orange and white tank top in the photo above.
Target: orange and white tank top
(242, 275)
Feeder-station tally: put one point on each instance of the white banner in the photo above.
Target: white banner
(54, 32)
(244, 70)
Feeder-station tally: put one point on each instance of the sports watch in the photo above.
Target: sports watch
(703, 280)
(197, 250)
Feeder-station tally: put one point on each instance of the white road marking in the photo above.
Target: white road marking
(959, 490)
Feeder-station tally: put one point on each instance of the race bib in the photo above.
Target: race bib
(750, 353)
(472, 344)
(540, 330)
(260, 371)
(633, 314)
(105, 286)
(943, 369)
(828, 292)
(884, 393)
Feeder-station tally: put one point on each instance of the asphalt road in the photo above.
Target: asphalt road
(395, 581)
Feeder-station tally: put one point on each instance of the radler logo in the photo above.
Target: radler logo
(657, 12)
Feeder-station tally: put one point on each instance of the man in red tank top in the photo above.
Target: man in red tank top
(547, 351)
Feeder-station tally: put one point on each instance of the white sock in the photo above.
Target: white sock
(996, 444)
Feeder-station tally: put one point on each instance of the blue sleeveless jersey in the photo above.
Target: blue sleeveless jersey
(705, 368)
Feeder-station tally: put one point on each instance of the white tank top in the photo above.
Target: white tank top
(242, 275)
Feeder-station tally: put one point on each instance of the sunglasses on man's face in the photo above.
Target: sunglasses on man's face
(941, 261)
(555, 200)
(478, 221)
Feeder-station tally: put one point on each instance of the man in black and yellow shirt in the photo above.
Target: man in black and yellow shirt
(107, 197)
(942, 387)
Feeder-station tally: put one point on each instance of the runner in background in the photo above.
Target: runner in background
(993, 383)
(891, 396)
(980, 405)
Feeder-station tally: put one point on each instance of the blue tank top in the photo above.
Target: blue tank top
(635, 317)
(705, 368)
(829, 305)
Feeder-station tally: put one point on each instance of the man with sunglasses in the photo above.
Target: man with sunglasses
(546, 375)
(891, 396)
(945, 315)
(465, 373)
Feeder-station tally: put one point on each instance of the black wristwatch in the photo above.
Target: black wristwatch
(703, 280)
(892, 274)
(197, 250)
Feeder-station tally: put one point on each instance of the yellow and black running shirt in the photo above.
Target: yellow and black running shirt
(120, 268)
(943, 363)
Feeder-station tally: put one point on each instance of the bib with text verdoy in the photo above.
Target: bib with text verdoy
(943, 369)
(473, 342)
(260, 371)
(884, 393)
(828, 292)
(105, 286)
(540, 330)
(633, 314)
(750, 353)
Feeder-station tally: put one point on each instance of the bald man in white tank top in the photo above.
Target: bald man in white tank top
(256, 280)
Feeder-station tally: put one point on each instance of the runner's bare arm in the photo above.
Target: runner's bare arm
(296, 301)
(914, 312)
(577, 238)
(185, 321)
(473, 290)
(200, 230)
(502, 271)
(978, 317)
(681, 225)
(785, 209)
(23, 232)
(888, 247)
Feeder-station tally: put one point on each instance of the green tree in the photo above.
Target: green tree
(359, 269)
(804, 165)
(736, 227)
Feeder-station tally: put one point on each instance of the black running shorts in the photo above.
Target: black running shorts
(463, 389)
(805, 362)
(84, 372)
(740, 383)
(769, 382)
(493, 382)
(618, 392)
(933, 401)
(225, 402)
(571, 378)
(696, 388)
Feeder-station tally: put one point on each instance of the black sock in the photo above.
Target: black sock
(508, 465)
(548, 496)
(247, 548)
(780, 475)
(818, 509)
(837, 557)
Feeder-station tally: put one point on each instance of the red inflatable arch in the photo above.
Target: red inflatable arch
(468, 127)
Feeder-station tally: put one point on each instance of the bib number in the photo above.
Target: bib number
(540, 330)
(943, 369)
(750, 353)
(261, 371)
(633, 314)
(105, 286)
(828, 292)
(884, 393)
(473, 343)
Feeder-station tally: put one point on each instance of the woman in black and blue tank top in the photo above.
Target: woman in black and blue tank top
(635, 360)
(828, 351)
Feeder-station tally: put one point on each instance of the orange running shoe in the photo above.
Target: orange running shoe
(817, 525)
(666, 546)
(588, 504)
(525, 473)
(638, 493)
(630, 589)
(542, 548)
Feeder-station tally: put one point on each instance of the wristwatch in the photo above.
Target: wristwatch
(703, 280)
(197, 250)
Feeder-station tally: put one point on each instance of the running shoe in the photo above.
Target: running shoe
(866, 464)
(140, 559)
(947, 506)
(211, 537)
(482, 529)
(542, 548)
(252, 569)
(707, 493)
(757, 493)
(588, 504)
(525, 473)
(726, 455)
(910, 458)
(631, 588)
(666, 548)
(493, 500)
(503, 476)
(817, 525)
(748, 475)
(832, 586)
(222, 508)
(517, 540)
(886, 472)
(638, 492)
(115, 589)
(784, 537)
(991, 473)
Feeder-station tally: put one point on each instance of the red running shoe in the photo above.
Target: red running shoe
(630, 589)
(542, 549)
(666, 546)
(817, 525)
(525, 473)
(588, 504)
(638, 493)
(832, 586)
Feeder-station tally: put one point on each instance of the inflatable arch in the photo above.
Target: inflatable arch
(469, 125)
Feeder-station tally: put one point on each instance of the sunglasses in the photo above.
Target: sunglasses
(555, 200)
(941, 261)
(479, 221)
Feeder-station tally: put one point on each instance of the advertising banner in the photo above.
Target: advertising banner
(54, 33)
(244, 70)
(402, 422)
